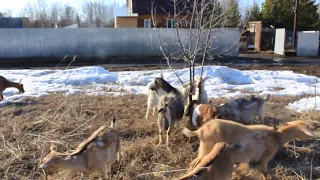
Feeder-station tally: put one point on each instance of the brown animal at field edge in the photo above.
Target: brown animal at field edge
(4, 84)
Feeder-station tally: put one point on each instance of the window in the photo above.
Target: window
(147, 23)
(252, 27)
(170, 23)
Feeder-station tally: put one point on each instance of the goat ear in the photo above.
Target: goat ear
(309, 133)
(53, 148)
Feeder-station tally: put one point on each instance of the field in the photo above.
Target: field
(29, 127)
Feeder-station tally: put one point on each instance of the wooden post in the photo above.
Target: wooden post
(296, 11)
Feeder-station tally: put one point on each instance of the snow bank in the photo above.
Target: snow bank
(306, 104)
(39, 83)
(222, 82)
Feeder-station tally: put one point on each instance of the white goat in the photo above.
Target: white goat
(153, 97)
(170, 106)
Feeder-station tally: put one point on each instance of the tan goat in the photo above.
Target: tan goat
(4, 84)
(259, 142)
(97, 153)
(217, 165)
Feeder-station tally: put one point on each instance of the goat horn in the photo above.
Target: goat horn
(20, 81)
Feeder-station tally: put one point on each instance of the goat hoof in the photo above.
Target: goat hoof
(167, 146)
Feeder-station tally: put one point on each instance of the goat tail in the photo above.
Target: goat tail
(267, 98)
(113, 122)
(189, 133)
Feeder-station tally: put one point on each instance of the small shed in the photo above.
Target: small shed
(264, 33)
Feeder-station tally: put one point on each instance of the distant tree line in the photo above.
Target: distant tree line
(94, 13)
(283, 11)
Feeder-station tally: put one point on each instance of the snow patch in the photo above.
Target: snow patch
(306, 104)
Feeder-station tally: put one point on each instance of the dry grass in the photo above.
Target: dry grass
(27, 129)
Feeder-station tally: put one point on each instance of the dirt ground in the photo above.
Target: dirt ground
(28, 128)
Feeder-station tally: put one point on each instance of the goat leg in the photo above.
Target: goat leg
(104, 171)
(147, 114)
(168, 133)
(119, 152)
(261, 116)
(168, 124)
(160, 124)
(262, 167)
(1, 97)
(154, 111)
(83, 176)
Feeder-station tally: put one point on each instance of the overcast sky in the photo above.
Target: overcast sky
(15, 6)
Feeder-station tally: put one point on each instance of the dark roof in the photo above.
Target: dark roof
(160, 6)
(8, 22)
(267, 23)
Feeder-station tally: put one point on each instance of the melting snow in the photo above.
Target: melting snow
(306, 104)
(222, 82)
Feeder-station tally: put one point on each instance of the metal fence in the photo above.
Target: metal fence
(308, 44)
(103, 42)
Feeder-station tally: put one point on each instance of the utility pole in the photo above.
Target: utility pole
(296, 11)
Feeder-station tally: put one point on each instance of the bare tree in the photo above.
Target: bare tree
(41, 12)
(7, 13)
(29, 11)
(69, 16)
(198, 25)
(55, 14)
(97, 13)
(88, 12)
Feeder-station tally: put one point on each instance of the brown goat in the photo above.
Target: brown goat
(259, 142)
(4, 84)
(217, 165)
(201, 113)
(97, 153)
